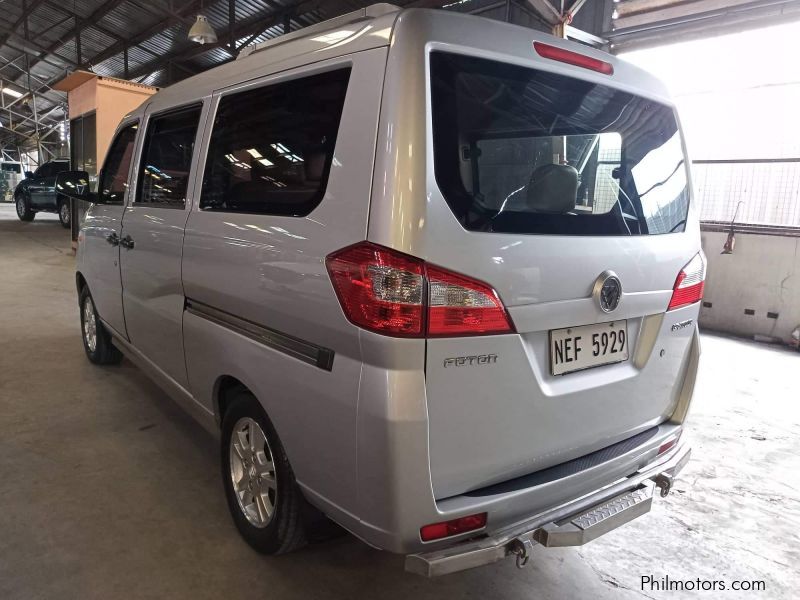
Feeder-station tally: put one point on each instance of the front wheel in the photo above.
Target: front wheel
(96, 340)
(64, 213)
(24, 211)
(263, 497)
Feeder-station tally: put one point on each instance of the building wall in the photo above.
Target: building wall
(115, 99)
(83, 99)
(762, 275)
(112, 99)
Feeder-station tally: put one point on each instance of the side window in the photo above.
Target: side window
(114, 178)
(166, 158)
(59, 167)
(272, 147)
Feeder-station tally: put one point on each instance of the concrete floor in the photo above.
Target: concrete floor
(108, 491)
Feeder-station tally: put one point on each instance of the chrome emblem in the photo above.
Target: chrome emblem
(607, 291)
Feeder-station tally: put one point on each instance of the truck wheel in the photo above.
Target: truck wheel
(263, 497)
(96, 340)
(24, 211)
(64, 213)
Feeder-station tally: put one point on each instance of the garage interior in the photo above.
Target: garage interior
(108, 490)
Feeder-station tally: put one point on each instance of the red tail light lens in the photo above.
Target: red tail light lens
(395, 294)
(437, 531)
(669, 445)
(689, 285)
(573, 58)
(461, 306)
(379, 289)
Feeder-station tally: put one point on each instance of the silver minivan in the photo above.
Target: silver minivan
(434, 276)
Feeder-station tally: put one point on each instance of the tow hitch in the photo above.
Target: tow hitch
(572, 524)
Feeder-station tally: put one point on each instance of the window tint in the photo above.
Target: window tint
(59, 167)
(114, 178)
(42, 171)
(166, 158)
(271, 148)
(526, 151)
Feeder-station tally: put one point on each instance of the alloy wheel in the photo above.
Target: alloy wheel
(64, 213)
(89, 325)
(253, 472)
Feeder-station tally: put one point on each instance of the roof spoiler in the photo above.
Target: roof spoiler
(364, 14)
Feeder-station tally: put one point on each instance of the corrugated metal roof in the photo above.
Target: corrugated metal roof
(51, 27)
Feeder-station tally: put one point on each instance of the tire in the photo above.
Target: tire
(283, 529)
(96, 340)
(24, 211)
(64, 213)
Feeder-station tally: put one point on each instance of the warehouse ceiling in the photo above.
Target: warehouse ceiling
(641, 23)
(146, 40)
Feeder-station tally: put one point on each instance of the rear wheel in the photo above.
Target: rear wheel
(24, 211)
(64, 213)
(265, 502)
(96, 340)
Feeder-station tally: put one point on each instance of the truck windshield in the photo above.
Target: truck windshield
(527, 151)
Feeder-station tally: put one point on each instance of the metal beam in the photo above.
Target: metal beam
(574, 8)
(98, 14)
(34, 49)
(657, 20)
(703, 25)
(231, 23)
(27, 11)
(634, 16)
(547, 11)
(574, 33)
(95, 25)
(43, 85)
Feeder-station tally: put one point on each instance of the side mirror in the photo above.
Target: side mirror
(28, 174)
(74, 184)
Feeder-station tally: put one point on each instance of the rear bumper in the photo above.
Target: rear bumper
(570, 524)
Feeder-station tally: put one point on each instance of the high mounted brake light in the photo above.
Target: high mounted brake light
(689, 284)
(395, 294)
(573, 58)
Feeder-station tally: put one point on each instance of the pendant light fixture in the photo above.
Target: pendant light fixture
(202, 32)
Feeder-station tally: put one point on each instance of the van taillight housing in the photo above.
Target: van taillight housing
(394, 294)
(689, 285)
(573, 58)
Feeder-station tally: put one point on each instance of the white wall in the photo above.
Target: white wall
(763, 274)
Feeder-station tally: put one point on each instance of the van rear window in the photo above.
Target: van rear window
(527, 151)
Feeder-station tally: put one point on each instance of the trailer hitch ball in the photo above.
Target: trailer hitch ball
(522, 548)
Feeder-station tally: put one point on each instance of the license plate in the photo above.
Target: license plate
(576, 348)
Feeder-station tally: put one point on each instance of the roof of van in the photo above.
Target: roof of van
(373, 27)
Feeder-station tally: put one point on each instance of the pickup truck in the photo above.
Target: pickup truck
(37, 193)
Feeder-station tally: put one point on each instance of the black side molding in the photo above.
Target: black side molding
(295, 347)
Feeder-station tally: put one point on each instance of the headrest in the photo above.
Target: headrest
(552, 189)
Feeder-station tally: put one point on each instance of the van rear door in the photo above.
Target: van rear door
(571, 199)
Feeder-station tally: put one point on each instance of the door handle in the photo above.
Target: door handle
(127, 242)
(112, 238)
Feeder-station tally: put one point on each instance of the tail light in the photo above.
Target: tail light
(689, 285)
(669, 445)
(437, 531)
(395, 294)
(573, 58)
